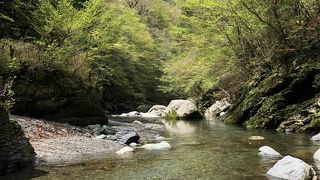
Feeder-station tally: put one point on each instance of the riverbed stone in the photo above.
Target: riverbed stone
(125, 150)
(127, 137)
(182, 109)
(289, 168)
(266, 151)
(157, 146)
(256, 138)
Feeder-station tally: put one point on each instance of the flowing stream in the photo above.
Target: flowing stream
(201, 150)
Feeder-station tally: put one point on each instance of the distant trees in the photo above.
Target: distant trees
(225, 44)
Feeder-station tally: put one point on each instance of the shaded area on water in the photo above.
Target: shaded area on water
(201, 150)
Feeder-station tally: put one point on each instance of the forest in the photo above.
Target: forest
(68, 68)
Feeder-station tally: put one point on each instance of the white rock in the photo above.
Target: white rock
(125, 150)
(183, 108)
(157, 146)
(267, 151)
(316, 155)
(316, 137)
(133, 144)
(157, 110)
(217, 109)
(289, 168)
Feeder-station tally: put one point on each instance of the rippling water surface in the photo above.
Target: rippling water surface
(201, 150)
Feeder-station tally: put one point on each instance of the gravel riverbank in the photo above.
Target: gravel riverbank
(63, 144)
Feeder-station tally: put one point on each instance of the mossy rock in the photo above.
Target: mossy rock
(278, 97)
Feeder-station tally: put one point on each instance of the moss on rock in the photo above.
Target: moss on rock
(278, 99)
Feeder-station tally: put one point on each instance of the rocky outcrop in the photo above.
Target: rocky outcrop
(53, 94)
(289, 168)
(182, 109)
(217, 110)
(15, 150)
(284, 99)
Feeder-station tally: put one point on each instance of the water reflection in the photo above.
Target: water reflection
(179, 128)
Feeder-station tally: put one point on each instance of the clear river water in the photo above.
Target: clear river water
(201, 150)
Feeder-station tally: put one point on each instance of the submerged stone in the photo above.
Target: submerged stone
(256, 138)
(157, 146)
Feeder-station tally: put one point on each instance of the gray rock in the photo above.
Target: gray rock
(96, 129)
(138, 123)
(289, 168)
(157, 146)
(184, 109)
(107, 130)
(266, 151)
(15, 150)
(316, 137)
(157, 110)
(111, 137)
(217, 109)
(126, 137)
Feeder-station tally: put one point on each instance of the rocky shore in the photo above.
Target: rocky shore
(61, 144)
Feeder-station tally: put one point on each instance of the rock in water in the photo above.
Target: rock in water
(157, 146)
(217, 109)
(126, 137)
(266, 151)
(125, 150)
(157, 110)
(256, 138)
(182, 109)
(15, 150)
(289, 168)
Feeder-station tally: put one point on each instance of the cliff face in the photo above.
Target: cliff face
(286, 100)
(15, 150)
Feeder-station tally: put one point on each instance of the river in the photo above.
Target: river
(201, 150)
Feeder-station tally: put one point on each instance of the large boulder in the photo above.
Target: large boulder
(157, 110)
(217, 109)
(289, 168)
(127, 137)
(182, 109)
(15, 150)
